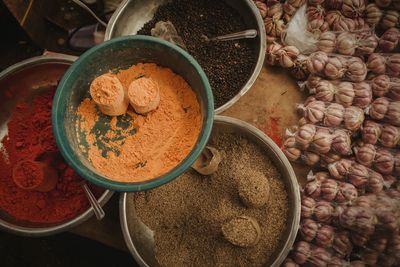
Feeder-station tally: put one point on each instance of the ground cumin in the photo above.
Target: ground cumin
(187, 214)
(134, 147)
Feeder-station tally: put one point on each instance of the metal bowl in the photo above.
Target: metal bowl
(131, 15)
(30, 75)
(139, 237)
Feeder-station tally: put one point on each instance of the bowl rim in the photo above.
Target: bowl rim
(103, 199)
(100, 180)
(110, 34)
(294, 224)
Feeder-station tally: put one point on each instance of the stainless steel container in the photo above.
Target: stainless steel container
(133, 14)
(32, 74)
(139, 237)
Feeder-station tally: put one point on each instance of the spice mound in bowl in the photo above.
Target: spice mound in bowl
(236, 216)
(28, 152)
(228, 64)
(140, 144)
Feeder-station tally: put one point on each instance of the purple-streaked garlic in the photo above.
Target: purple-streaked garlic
(274, 27)
(333, 4)
(393, 113)
(342, 243)
(379, 108)
(305, 135)
(378, 243)
(384, 161)
(340, 169)
(346, 43)
(394, 92)
(353, 8)
(369, 256)
(356, 69)
(320, 257)
(322, 141)
(365, 154)
(383, 3)
(288, 11)
(353, 118)
(323, 211)
(373, 14)
(387, 221)
(334, 68)
(301, 252)
(390, 19)
(315, 12)
(316, 62)
(313, 189)
(344, 25)
(290, 149)
(310, 158)
(324, 91)
(344, 94)
(341, 143)
(370, 132)
(358, 219)
(325, 235)
(272, 56)
(376, 63)
(346, 193)
(275, 11)
(365, 201)
(314, 112)
(334, 115)
(397, 163)
(375, 181)
(389, 40)
(308, 229)
(337, 261)
(299, 70)
(289, 263)
(317, 26)
(390, 136)
(338, 210)
(366, 43)
(393, 65)
(312, 82)
(359, 239)
(380, 85)
(328, 158)
(327, 42)
(333, 17)
(358, 175)
(362, 94)
(307, 207)
(329, 189)
(287, 56)
(262, 7)
(361, 24)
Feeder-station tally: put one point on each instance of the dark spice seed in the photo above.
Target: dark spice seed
(228, 65)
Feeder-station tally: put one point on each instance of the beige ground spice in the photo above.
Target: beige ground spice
(161, 139)
(187, 214)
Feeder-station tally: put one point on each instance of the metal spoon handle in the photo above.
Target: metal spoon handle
(98, 210)
(85, 7)
(236, 35)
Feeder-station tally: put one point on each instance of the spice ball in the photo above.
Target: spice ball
(254, 190)
(242, 231)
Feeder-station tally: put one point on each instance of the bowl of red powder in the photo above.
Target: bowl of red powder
(39, 193)
(134, 151)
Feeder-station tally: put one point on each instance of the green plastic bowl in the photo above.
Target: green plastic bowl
(120, 53)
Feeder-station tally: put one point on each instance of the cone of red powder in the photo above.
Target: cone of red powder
(35, 176)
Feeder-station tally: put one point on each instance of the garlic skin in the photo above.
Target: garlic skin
(394, 89)
(346, 43)
(287, 56)
(340, 169)
(353, 118)
(345, 94)
(373, 14)
(376, 63)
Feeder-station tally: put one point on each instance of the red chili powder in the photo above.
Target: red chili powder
(273, 130)
(28, 174)
(29, 137)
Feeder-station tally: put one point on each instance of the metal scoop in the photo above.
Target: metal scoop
(247, 34)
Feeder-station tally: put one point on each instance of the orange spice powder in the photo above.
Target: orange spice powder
(162, 138)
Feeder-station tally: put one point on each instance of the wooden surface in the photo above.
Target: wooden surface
(269, 105)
